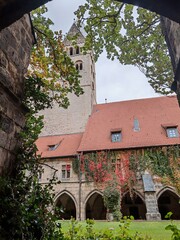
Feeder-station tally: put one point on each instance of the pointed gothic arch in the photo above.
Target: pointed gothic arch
(94, 206)
(133, 206)
(66, 205)
(168, 201)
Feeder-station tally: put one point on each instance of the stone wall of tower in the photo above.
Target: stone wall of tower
(73, 120)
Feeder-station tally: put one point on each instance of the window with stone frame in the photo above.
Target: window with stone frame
(79, 65)
(65, 171)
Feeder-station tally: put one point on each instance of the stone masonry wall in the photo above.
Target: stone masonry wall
(15, 47)
(171, 32)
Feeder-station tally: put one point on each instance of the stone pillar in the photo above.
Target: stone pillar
(152, 206)
(150, 198)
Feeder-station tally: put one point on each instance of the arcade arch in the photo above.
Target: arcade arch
(168, 201)
(66, 203)
(94, 206)
(133, 206)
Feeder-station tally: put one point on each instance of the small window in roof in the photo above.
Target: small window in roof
(172, 132)
(136, 125)
(116, 136)
(52, 147)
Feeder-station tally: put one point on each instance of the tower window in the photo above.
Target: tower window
(71, 51)
(79, 65)
(77, 50)
(92, 86)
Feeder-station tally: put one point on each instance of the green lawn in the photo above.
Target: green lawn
(154, 229)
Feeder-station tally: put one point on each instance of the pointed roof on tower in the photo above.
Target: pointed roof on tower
(75, 31)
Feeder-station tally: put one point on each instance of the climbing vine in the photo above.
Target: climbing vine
(109, 170)
(115, 171)
(162, 162)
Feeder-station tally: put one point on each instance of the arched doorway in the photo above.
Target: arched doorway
(65, 207)
(95, 208)
(133, 206)
(169, 202)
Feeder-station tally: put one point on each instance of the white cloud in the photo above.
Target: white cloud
(114, 81)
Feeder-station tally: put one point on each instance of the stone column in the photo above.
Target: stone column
(150, 198)
(152, 206)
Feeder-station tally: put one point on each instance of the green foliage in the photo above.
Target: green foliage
(111, 197)
(162, 162)
(24, 201)
(172, 227)
(51, 69)
(132, 35)
(76, 165)
(76, 232)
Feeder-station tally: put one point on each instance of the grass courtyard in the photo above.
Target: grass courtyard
(154, 229)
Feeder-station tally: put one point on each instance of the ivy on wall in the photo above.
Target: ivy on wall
(162, 162)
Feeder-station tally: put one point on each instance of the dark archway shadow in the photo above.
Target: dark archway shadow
(169, 202)
(95, 208)
(133, 206)
(65, 207)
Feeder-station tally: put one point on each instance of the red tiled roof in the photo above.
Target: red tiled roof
(66, 145)
(152, 114)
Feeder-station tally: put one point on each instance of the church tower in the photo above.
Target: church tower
(73, 120)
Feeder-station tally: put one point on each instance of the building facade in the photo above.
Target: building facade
(126, 130)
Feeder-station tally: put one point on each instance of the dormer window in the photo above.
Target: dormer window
(52, 147)
(172, 132)
(116, 136)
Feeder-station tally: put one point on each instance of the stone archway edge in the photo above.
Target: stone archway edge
(12, 10)
(166, 8)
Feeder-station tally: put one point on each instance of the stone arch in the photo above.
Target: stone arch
(94, 206)
(66, 201)
(133, 206)
(168, 201)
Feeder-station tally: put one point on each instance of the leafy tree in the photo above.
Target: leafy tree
(51, 69)
(132, 35)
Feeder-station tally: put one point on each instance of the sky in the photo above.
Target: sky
(114, 82)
